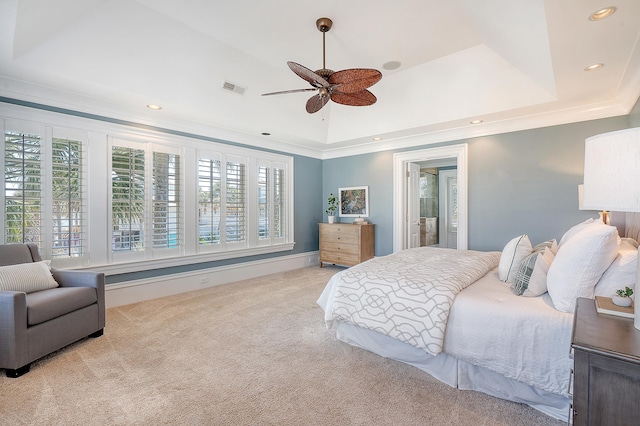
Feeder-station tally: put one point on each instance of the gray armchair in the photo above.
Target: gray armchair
(33, 325)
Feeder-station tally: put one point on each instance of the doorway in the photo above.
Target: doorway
(404, 219)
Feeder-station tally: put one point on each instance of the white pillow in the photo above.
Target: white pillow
(538, 280)
(512, 254)
(27, 277)
(574, 230)
(621, 273)
(580, 263)
(551, 244)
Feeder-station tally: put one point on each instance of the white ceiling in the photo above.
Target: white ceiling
(515, 64)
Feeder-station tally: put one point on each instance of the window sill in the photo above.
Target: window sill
(169, 262)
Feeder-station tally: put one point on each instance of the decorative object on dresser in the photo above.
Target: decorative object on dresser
(346, 244)
(331, 209)
(354, 201)
(611, 175)
(606, 387)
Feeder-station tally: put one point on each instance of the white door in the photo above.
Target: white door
(448, 208)
(413, 204)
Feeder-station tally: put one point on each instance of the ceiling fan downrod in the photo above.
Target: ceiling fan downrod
(324, 25)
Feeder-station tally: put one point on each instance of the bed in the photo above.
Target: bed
(478, 334)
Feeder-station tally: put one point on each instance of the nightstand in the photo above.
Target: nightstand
(606, 386)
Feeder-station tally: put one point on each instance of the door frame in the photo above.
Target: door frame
(400, 182)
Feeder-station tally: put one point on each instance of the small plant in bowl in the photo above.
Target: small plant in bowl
(623, 297)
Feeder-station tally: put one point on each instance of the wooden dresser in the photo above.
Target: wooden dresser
(345, 243)
(606, 384)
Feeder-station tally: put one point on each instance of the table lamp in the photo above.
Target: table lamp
(612, 178)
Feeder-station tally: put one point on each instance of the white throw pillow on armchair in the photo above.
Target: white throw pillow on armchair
(579, 264)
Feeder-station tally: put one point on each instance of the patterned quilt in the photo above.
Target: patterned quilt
(407, 295)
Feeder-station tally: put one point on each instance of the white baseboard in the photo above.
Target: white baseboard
(167, 285)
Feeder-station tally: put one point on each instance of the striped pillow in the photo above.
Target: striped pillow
(27, 277)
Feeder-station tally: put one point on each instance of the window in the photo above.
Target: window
(67, 207)
(272, 203)
(222, 202)
(263, 203)
(166, 200)
(157, 200)
(209, 202)
(22, 188)
(44, 190)
(235, 202)
(127, 199)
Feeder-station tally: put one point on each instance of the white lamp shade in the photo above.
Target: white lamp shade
(612, 171)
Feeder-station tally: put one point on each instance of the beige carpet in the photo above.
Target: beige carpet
(249, 353)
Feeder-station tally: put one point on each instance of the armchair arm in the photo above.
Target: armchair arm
(69, 278)
(13, 329)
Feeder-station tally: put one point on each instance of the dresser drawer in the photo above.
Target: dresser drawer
(340, 258)
(329, 247)
(343, 233)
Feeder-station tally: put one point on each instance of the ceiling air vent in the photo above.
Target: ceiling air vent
(233, 88)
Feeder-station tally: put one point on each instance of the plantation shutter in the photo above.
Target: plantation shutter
(235, 202)
(279, 204)
(209, 199)
(67, 183)
(167, 220)
(128, 199)
(264, 208)
(22, 188)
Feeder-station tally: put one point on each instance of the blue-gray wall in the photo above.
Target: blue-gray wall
(519, 182)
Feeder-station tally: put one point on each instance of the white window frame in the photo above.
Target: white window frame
(47, 134)
(98, 137)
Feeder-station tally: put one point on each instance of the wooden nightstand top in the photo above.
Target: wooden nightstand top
(604, 334)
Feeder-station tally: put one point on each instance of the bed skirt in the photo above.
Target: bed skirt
(454, 372)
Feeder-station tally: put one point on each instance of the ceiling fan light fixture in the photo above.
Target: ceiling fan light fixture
(602, 13)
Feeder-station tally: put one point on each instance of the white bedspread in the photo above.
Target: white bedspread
(406, 295)
(522, 338)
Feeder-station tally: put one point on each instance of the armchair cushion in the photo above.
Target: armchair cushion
(49, 304)
(27, 277)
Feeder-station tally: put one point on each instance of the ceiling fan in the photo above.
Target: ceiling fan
(347, 87)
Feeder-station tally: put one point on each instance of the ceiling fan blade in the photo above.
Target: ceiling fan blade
(355, 79)
(306, 74)
(361, 98)
(288, 91)
(315, 103)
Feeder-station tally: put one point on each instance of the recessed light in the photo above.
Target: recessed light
(594, 67)
(154, 107)
(475, 122)
(602, 13)
(392, 65)
(377, 138)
